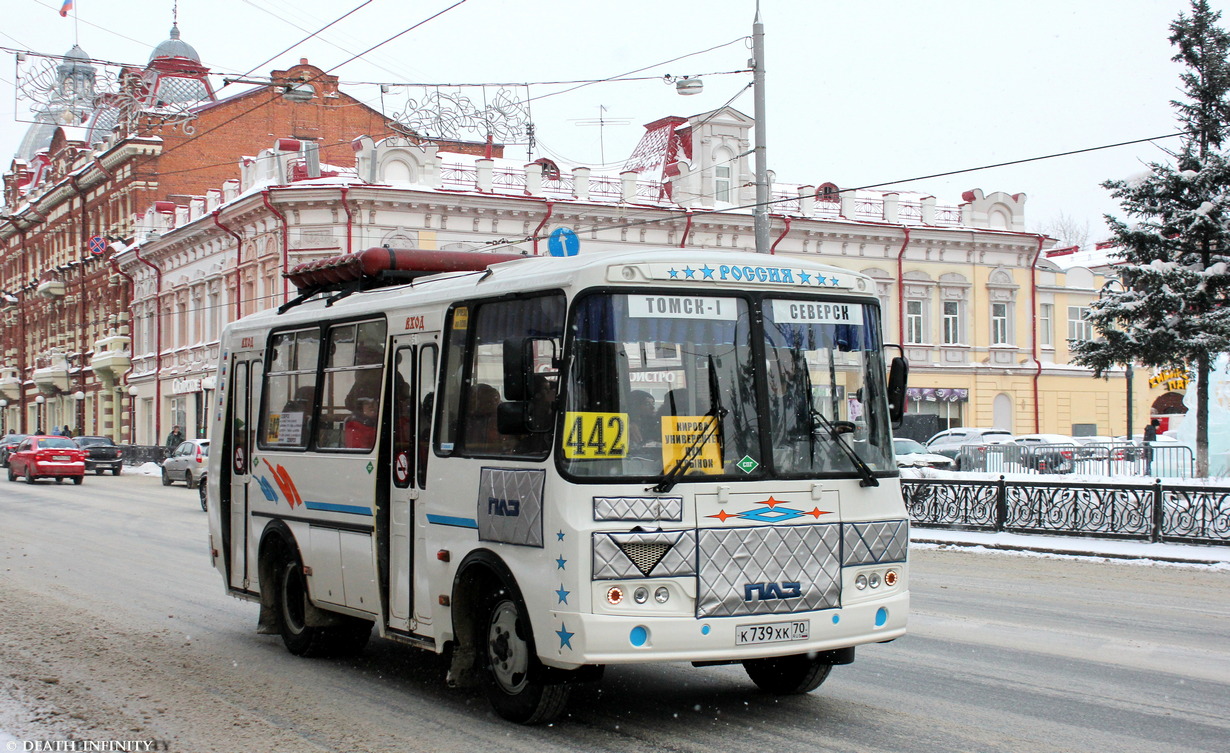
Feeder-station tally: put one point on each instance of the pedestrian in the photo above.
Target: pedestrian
(1150, 438)
(57, 432)
(66, 432)
(175, 438)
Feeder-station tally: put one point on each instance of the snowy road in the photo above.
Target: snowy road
(113, 627)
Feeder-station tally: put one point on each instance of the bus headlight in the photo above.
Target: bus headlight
(640, 595)
(860, 582)
(661, 595)
(874, 580)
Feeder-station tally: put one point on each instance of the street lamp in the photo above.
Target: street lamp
(38, 412)
(4, 414)
(1127, 367)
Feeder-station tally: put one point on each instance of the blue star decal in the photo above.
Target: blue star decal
(565, 637)
(562, 594)
(560, 536)
(821, 280)
(689, 273)
(834, 281)
(674, 274)
(804, 277)
(559, 563)
(707, 271)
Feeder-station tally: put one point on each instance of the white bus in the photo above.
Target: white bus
(543, 466)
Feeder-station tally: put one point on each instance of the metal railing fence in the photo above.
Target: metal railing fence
(1158, 512)
(1113, 459)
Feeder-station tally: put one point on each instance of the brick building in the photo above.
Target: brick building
(86, 172)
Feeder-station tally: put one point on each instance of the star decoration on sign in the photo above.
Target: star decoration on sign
(674, 273)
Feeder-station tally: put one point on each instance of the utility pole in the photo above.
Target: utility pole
(760, 214)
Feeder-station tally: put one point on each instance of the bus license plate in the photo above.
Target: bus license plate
(773, 632)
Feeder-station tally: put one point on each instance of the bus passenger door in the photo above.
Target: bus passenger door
(241, 441)
(414, 368)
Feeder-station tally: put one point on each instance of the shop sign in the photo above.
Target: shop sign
(184, 386)
(937, 394)
(1171, 379)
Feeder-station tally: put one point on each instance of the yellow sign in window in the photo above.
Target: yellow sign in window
(595, 436)
(681, 439)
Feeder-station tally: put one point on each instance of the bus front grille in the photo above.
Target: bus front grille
(768, 570)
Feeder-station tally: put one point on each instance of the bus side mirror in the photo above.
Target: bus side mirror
(513, 417)
(898, 375)
(516, 369)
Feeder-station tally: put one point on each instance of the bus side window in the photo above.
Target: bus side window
(473, 383)
(350, 398)
(428, 356)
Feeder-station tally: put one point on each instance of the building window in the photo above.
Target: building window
(999, 324)
(914, 322)
(1079, 327)
(1046, 325)
(952, 322)
(721, 183)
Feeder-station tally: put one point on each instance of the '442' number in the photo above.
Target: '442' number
(594, 436)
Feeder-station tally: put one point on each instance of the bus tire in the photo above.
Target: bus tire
(349, 636)
(515, 682)
(787, 675)
(203, 490)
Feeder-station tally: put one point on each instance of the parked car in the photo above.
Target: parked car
(963, 445)
(911, 454)
(55, 457)
(8, 444)
(186, 463)
(1049, 453)
(102, 454)
(202, 487)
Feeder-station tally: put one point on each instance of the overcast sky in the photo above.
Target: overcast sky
(859, 93)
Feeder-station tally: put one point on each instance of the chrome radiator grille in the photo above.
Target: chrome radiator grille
(768, 570)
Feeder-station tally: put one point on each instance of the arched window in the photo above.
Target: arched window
(828, 192)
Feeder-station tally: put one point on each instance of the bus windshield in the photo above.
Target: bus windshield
(679, 387)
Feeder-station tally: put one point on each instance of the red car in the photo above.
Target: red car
(56, 457)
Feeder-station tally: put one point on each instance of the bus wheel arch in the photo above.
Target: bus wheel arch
(287, 608)
(495, 645)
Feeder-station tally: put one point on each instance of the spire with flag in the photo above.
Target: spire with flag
(65, 8)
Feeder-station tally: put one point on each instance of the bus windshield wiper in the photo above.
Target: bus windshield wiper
(718, 413)
(836, 431)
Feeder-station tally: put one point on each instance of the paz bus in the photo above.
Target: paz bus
(541, 466)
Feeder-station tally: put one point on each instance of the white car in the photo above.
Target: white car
(911, 454)
(186, 463)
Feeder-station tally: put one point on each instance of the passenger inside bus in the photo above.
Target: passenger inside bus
(482, 432)
(360, 429)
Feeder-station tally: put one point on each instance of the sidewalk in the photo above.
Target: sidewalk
(1075, 546)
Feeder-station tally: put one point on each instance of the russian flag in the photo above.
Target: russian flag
(65, 8)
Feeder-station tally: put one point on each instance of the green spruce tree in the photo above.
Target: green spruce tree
(1170, 311)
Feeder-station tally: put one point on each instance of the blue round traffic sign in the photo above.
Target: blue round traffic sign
(563, 242)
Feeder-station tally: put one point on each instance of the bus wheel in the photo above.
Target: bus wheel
(301, 639)
(787, 675)
(513, 678)
(204, 492)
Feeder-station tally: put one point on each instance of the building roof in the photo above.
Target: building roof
(175, 48)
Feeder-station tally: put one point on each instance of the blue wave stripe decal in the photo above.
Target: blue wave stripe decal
(448, 520)
(330, 507)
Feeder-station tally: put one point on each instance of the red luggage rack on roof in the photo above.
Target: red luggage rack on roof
(380, 267)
